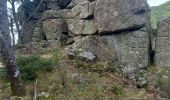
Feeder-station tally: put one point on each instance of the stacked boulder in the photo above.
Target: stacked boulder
(107, 30)
(40, 20)
(113, 30)
(162, 48)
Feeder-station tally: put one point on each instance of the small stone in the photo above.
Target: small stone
(45, 94)
(87, 56)
(70, 52)
(141, 82)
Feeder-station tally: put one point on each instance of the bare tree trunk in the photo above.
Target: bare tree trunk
(22, 1)
(7, 52)
(12, 30)
(15, 16)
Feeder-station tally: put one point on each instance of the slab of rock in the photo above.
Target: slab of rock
(86, 56)
(129, 48)
(83, 10)
(73, 3)
(162, 50)
(38, 34)
(52, 28)
(50, 14)
(81, 27)
(118, 15)
(70, 52)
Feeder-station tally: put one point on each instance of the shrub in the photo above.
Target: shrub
(163, 81)
(24, 60)
(45, 65)
(28, 74)
(30, 65)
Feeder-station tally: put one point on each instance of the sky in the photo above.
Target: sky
(156, 2)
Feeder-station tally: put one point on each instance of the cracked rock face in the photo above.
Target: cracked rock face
(81, 27)
(115, 31)
(112, 30)
(115, 15)
(130, 48)
(162, 50)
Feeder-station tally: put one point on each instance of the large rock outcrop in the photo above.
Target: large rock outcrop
(113, 30)
(162, 50)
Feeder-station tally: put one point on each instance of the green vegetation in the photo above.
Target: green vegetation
(159, 12)
(73, 79)
(118, 90)
(163, 81)
(99, 67)
(30, 65)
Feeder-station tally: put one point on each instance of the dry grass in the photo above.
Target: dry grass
(69, 82)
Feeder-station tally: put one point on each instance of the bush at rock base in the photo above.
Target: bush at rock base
(30, 65)
(163, 81)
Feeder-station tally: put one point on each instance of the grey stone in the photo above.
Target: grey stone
(86, 56)
(37, 36)
(162, 50)
(81, 27)
(118, 15)
(50, 14)
(129, 48)
(52, 28)
(83, 10)
(52, 6)
(73, 3)
(70, 41)
(141, 82)
(70, 52)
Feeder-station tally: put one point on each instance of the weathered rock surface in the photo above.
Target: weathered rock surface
(83, 10)
(81, 27)
(130, 48)
(49, 13)
(78, 54)
(70, 52)
(52, 28)
(162, 51)
(112, 30)
(118, 15)
(86, 56)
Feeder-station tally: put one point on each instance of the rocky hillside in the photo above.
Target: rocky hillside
(106, 39)
(104, 29)
(159, 12)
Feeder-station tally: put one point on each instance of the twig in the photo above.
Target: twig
(35, 91)
(35, 10)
